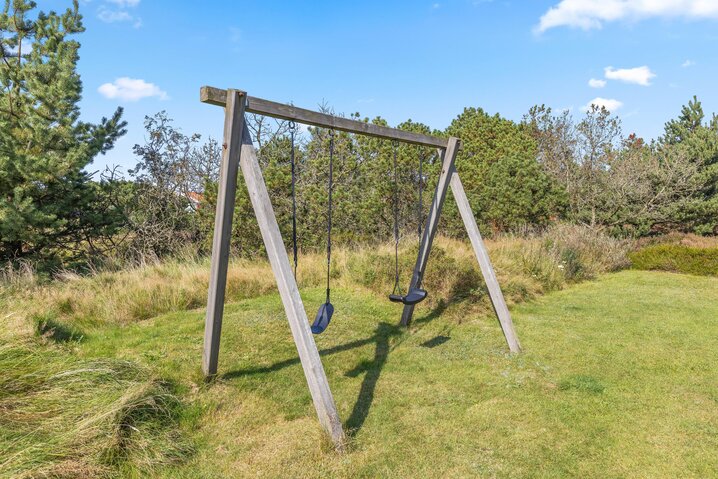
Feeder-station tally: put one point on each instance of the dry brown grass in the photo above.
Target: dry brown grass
(245, 433)
(526, 267)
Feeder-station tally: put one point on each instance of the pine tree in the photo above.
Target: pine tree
(689, 136)
(46, 197)
(505, 183)
(690, 119)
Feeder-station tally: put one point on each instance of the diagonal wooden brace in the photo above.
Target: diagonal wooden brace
(449, 177)
(432, 221)
(487, 270)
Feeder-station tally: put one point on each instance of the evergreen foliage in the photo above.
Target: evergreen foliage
(506, 186)
(48, 206)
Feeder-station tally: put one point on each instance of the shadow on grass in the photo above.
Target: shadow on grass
(292, 361)
(54, 330)
(435, 341)
(370, 368)
(437, 311)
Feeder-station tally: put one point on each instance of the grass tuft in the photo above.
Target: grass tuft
(47, 327)
(66, 417)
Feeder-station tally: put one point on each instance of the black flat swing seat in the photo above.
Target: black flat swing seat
(415, 295)
(326, 310)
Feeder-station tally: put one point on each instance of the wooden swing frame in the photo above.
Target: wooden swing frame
(238, 153)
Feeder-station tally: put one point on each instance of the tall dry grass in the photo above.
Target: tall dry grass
(684, 239)
(526, 266)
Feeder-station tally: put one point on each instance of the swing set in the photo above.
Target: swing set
(238, 153)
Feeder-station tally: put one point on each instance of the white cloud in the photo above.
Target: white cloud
(639, 75)
(688, 63)
(112, 16)
(594, 83)
(113, 11)
(131, 89)
(592, 14)
(608, 103)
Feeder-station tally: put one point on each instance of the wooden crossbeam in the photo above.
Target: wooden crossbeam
(217, 96)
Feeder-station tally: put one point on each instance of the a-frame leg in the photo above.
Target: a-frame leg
(487, 270)
(432, 221)
(289, 292)
(233, 124)
(239, 152)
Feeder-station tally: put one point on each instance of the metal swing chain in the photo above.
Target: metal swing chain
(329, 216)
(396, 222)
(292, 130)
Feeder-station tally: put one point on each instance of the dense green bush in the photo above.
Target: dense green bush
(677, 258)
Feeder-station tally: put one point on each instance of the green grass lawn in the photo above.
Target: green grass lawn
(618, 378)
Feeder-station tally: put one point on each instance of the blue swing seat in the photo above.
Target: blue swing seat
(324, 315)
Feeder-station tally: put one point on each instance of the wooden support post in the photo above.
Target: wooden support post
(487, 270)
(432, 222)
(233, 123)
(289, 292)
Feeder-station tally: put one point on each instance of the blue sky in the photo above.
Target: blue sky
(398, 59)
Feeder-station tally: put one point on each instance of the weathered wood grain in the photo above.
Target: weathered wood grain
(217, 96)
(229, 167)
(432, 222)
(289, 292)
(487, 269)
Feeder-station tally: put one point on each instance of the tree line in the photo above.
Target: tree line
(519, 176)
